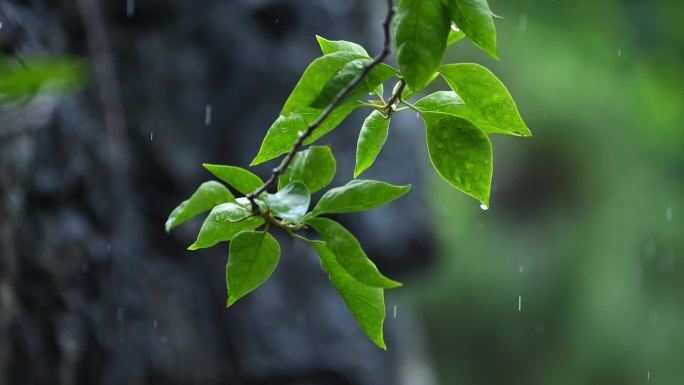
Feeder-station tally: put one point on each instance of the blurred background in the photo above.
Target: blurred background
(573, 276)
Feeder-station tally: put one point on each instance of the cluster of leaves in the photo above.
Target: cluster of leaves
(457, 123)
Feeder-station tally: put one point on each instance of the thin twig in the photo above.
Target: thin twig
(285, 163)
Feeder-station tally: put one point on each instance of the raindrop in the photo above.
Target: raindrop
(154, 324)
(207, 115)
(417, 115)
(454, 28)
(522, 23)
(648, 376)
(619, 52)
(668, 214)
(484, 207)
(109, 247)
(130, 8)
(520, 303)
(520, 270)
(0, 24)
(394, 313)
(151, 136)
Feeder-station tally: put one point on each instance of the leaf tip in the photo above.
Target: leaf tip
(193, 247)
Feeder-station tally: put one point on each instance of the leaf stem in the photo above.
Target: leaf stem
(303, 136)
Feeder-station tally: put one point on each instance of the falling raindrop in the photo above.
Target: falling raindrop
(522, 23)
(0, 24)
(454, 28)
(394, 313)
(154, 324)
(109, 247)
(619, 53)
(668, 214)
(648, 376)
(130, 8)
(520, 303)
(151, 136)
(484, 207)
(207, 115)
(520, 270)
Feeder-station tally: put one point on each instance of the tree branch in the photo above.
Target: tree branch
(303, 136)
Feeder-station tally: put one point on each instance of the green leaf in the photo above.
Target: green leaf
(378, 75)
(315, 78)
(315, 167)
(358, 195)
(223, 223)
(486, 98)
(332, 46)
(349, 254)
(240, 179)
(291, 203)
(454, 36)
(366, 303)
(285, 131)
(461, 153)
(371, 139)
(420, 37)
(446, 102)
(208, 195)
(475, 19)
(252, 258)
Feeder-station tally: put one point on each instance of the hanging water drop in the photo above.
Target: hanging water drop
(484, 207)
(454, 28)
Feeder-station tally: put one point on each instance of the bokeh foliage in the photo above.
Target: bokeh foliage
(591, 210)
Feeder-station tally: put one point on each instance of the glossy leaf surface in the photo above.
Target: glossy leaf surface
(252, 258)
(358, 195)
(315, 167)
(223, 223)
(349, 254)
(208, 195)
(461, 153)
(371, 139)
(366, 303)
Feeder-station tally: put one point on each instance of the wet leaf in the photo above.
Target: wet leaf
(285, 131)
(420, 37)
(461, 153)
(252, 258)
(223, 223)
(332, 46)
(240, 179)
(315, 167)
(487, 99)
(349, 254)
(366, 303)
(208, 195)
(291, 203)
(371, 139)
(475, 19)
(358, 195)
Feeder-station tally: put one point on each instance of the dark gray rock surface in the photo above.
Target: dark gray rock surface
(92, 291)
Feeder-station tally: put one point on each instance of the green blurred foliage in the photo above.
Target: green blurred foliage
(587, 216)
(22, 78)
